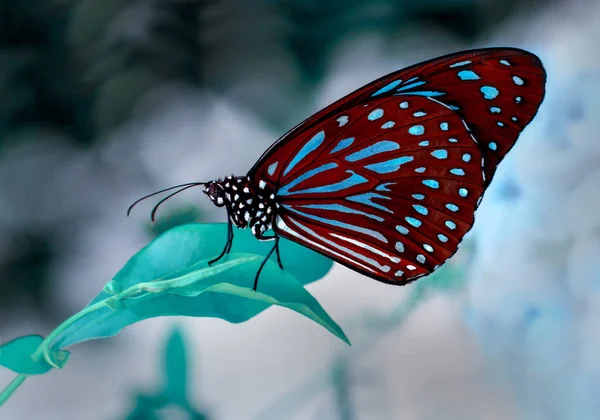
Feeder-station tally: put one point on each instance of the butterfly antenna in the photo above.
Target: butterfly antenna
(185, 187)
(153, 213)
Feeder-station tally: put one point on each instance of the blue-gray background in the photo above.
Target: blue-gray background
(105, 100)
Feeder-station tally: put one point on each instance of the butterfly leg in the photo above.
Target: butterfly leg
(276, 246)
(275, 249)
(228, 244)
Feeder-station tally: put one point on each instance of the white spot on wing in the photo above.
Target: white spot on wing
(343, 120)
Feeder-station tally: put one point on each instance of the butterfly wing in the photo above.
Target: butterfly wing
(387, 179)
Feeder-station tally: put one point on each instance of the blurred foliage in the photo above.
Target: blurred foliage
(173, 395)
(178, 217)
(340, 374)
(40, 74)
(25, 273)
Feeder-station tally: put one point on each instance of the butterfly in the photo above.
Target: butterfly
(386, 180)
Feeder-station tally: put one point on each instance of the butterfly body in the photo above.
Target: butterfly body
(248, 206)
(387, 179)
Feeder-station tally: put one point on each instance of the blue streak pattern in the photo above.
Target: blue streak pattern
(285, 189)
(387, 87)
(337, 223)
(354, 179)
(310, 146)
(379, 147)
(366, 199)
(342, 144)
(360, 257)
(341, 209)
(410, 86)
(388, 166)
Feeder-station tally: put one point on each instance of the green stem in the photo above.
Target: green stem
(42, 350)
(11, 388)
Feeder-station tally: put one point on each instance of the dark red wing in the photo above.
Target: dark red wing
(387, 179)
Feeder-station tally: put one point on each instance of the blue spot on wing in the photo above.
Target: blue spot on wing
(416, 130)
(342, 144)
(271, 169)
(457, 171)
(452, 207)
(310, 146)
(379, 147)
(401, 229)
(388, 166)
(431, 183)
(366, 199)
(489, 92)
(415, 222)
(518, 81)
(420, 209)
(387, 87)
(468, 75)
(440, 154)
(375, 114)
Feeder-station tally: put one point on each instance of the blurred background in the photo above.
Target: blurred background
(103, 101)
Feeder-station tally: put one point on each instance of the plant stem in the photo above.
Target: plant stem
(41, 350)
(11, 388)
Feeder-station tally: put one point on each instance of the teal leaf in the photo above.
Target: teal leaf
(176, 368)
(16, 356)
(171, 277)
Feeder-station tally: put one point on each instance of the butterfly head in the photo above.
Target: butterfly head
(215, 192)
